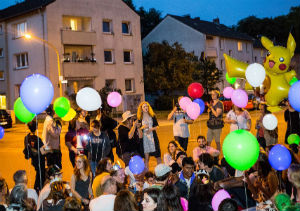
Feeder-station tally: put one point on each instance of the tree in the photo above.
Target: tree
(103, 94)
(149, 19)
(130, 4)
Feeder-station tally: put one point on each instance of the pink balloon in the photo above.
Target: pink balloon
(184, 204)
(218, 198)
(184, 102)
(193, 110)
(239, 98)
(228, 92)
(114, 99)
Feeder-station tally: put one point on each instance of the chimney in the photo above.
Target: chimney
(216, 21)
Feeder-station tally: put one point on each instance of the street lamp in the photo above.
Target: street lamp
(30, 36)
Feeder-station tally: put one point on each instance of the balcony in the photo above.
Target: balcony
(78, 37)
(80, 69)
(211, 52)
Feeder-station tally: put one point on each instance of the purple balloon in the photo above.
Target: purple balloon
(184, 102)
(239, 98)
(114, 99)
(228, 92)
(136, 164)
(280, 157)
(193, 110)
(218, 198)
(201, 104)
(1, 132)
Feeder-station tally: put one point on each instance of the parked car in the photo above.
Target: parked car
(5, 119)
(227, 103)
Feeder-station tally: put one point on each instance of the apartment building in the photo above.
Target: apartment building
(98, 43)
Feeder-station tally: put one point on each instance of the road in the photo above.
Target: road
(12, 157)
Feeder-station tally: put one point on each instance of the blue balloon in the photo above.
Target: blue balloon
(294, 96)
(136, 164)
(1, 132)
(201, 104)
(280, 157)
(36, 92)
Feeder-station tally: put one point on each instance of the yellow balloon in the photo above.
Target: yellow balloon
(70, 115)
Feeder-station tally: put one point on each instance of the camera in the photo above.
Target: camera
(177, 106)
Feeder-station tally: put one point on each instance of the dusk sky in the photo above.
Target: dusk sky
(229, 11)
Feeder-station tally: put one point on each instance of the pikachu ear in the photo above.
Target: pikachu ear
(291, 44)
(266, 43)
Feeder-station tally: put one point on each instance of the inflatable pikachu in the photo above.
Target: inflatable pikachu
(276, 64)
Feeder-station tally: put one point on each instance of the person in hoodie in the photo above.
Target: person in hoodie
(98, 145)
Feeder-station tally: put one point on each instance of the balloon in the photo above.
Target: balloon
(293, 139)
(114, 99)
(282, 200)
(270, 121)
(61, 106)
(255, 74)
(230, 80)
(36, 92)
(240, 149)
(239, 98)
(70, 115)
(21, 111)
(184, 203)
(294, 96)
(88, 99)
(136, 164)
(193, 110)
(218, 198)
(293, 80)
(280, 157)
(228, 92)
(201, 104)
(1, 132)
(184, 102)
(195, 90)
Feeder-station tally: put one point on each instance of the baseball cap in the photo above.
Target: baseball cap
(161, 170)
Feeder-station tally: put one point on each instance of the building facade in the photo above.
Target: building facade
(98, 43)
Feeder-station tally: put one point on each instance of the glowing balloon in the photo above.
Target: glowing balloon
(136, 164)
(294, 96)
(255, 74)
(201, 104)
(1, 132)
(70, 115)
(293, 80)
(239, 98)
(218, 198)
(270, 121)
(114, 99)
(36, 92)
(293, 139)
(228, 91)
(61, 106)
(184, 102)
(21, 112)
(282, 200)
(193, 110)
(195, 90)
(280, 157)
(184, 203)
(88, 99)
(240, 149)
(230, 80)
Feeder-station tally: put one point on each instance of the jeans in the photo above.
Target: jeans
(93, 167)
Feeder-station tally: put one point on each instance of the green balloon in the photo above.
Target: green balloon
(282, 200)
(294, 139)
(240, 149)
(293, 80)
(61, 106)
(22, 112)
(230, 80)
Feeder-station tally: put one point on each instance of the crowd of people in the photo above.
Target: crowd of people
(179, 182)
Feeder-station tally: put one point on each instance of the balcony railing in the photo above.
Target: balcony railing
(78, 37)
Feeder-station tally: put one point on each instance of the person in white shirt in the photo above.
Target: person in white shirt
(105, 202)
(238, 118)
(203, 148)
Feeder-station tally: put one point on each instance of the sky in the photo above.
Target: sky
(228, 11)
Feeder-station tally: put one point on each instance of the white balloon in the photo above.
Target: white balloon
(88, 99)
(255, 74)
(270, 122)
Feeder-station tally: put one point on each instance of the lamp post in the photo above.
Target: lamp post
(29, 36)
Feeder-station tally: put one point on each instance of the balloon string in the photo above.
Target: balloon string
(39, 158)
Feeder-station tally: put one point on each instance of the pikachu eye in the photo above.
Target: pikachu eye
(268, 54)
(281, 59)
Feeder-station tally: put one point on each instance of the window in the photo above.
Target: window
(128, 57)
(1, 75)
(1, 28)
(222, 46)
(240, 46)
(73, 24)
(255, 59)
(22, 60)
(1, 52)
(111, 83)
(107, 26)
(247, 47)
(108, 56)
(129, 85)
(17, 90)
(209, 37)
(222, 64)
(126, 28)
(21, 29)
(230, 52)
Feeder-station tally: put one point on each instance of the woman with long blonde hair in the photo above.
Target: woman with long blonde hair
(149, 122)
(81, 180)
